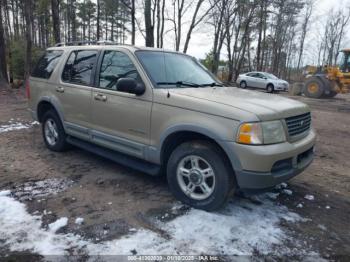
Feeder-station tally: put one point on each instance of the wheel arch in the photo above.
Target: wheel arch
(270, 83)
(45, 104)
(175, 136)
(243, 81)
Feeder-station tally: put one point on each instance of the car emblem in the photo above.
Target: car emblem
(302, 122)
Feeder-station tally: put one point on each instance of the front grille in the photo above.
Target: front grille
(298, 124)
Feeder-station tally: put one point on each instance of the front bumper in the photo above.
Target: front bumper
(262, 167)
(281, 88)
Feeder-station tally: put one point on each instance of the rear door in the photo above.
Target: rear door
(74, 91)
(40, 83)
(121, 121)
(252, 80)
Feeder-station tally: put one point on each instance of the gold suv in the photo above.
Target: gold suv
(162, 112)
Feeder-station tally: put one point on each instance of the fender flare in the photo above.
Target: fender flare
(55, 104)
(155, 153)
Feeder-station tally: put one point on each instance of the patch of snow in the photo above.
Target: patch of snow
(79, 220)
(309, 197)
(272, 195)
(300, 206)
(21, 231)
(41, 188)
(328, 207)
(287, 192)
(5, 193)
(281, 186)
(16, 126)
(58, 224)
(322, 227)
(242, 228)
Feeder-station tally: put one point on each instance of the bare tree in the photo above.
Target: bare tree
(196, 20)
(148, 23)
(98, 19)
(3, 65)
(28, 5)
(304, 29)
(55, 7)
(333, 35)
(262, 15)
(133, 26)
(161, 34)
(217, 17)
(343, 23)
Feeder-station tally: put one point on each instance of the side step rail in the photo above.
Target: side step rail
(122, 159)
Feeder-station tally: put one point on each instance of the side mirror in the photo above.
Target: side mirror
(129, 85)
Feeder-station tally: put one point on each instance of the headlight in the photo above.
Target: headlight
(270, 132)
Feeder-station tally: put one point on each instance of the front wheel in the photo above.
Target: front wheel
(270, 88)
(198, 176)
(314, 87)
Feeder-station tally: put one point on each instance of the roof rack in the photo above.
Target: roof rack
(80, 43)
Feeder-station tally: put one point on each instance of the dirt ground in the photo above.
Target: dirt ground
(110, 196)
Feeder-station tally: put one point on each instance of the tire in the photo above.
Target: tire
(314, 87)
(243, 84)
(219, 180)
(331, 94)
(53, 132)
(270, 88)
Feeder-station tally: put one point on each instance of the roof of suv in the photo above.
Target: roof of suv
(104, 47)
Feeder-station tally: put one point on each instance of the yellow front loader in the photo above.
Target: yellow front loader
(328, 81)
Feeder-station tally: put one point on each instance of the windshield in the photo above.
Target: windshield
(175, 70)
(271, 76)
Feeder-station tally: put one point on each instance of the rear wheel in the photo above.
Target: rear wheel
(331, 94)
(243, 84)
(198, 176)
(314, 88)
(53, 132)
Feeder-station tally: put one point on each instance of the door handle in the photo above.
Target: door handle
(60, 89)
(100, 97)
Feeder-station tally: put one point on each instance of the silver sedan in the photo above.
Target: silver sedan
(262, 80)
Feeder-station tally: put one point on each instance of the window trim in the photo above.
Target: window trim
(99, 65)
(93, 71)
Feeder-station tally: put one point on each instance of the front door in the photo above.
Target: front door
(121, 121)
(261, 81)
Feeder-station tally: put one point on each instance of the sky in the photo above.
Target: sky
(202, 38)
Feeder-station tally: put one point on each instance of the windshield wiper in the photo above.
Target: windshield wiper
(179, 83)
(211, 85)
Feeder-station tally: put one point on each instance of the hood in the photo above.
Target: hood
(282, 81)
(264, 106)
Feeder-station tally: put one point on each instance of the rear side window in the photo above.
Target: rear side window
(79, 67)
(253, 75)
(47, 63)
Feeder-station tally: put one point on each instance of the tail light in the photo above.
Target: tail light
(27, 89)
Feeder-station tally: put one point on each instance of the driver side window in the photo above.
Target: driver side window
(116, 65)
(261, 76)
